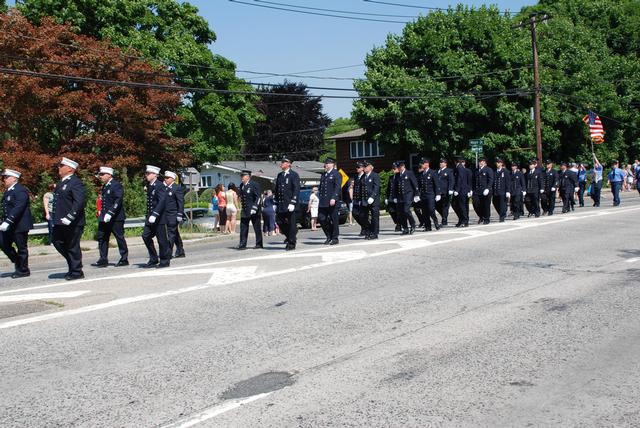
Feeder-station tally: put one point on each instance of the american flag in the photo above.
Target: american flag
(595, 127)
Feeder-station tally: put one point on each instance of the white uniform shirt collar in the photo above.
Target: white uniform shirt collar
(66, 177)
(12, 186)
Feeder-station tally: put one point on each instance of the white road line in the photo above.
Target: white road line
(522, 224)
(41, 296)
(212, 412)
(144, 297)
(633, 260)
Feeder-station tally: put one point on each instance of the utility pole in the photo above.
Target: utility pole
(533, 20)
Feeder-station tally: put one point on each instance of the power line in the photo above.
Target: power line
(318, 13)
(334, 10)
(386, 3)
(155, 86)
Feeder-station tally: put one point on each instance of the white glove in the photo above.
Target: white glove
(508, 195)
(65, 221)
(485, 192)
(576, 189)
(386, 201)
(107, 218)
(4, 227)
(438, 197)
(291, 207)
(152, 219)
(275, 207)
(253, 212)
(541, 190)
(470, 194)
(553, 189)
(450, 192)
(524, 193)
(416, 199)
(370, 201)
(179, 218)
(455, 193)
(395, 200)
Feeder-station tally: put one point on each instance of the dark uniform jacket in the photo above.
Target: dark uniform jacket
(568, 181)
(534, 181)
(463, 180)
(152, 200)
(447, 180)
(406, 187)
(70, 198)
(330, 187)
(357, 190)
(287, 190)
(112, 201)
(518, 184)
(16, 209)
(484, 180)
(429, 183)
(551, 179)
(250, 197)
(391, 188)
(501, 182)
(371, 189)
(167, 207)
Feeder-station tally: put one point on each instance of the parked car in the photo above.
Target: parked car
(304, 217)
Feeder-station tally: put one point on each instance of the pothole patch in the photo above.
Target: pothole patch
(261, 384)
(18, 309)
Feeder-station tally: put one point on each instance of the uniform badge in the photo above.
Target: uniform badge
(369, 180)
(109, 192)
(286, 181)
(248, 190)
(170, 194)
(64, 187)
(8, 198)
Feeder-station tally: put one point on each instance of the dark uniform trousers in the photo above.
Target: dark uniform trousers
(442, 206)
(482, 205)
(178, 242)
(287, 223)
(66, 239)
(104, 234)
(328, 218)
(19, 257)
(548, 201)
(500, 204)
(372, 219)
(532, 201)
(461, 207)
(256, 221)
(517, 208)
(149, 232)
(428, 210)
(596, 190)
(166, 234)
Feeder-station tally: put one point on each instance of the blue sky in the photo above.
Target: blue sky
(265, 40)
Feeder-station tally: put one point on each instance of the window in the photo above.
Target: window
(206, 181)
(365, 149)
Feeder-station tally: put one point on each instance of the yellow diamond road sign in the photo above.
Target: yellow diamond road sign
(345, 177)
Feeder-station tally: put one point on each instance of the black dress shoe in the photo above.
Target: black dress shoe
(334, 242)
(286, 241)
(405, 232)
(398, 228)
(465, 225)
(163, 265)
(73, 277)
(411, 230)
(179, 256)
(241, 247)
(150, 264)
(458, 224)
(362, 234)
(100, 264)
(290, 247)
(437, 226)
(327, 242)
(255, 247)
(20, 275)
(486, 222)
(373, 236)
(122, 263)
(480, 220)
(427, 229)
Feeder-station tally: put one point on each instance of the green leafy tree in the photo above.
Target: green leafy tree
(175, 34)
(3, 6)
(472, 70)
(293, 125)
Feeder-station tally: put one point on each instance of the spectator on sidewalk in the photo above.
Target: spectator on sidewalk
(268, 214)
(215, 211)
(231, 195)
(222, 207)
(48, 203)
(313, 207)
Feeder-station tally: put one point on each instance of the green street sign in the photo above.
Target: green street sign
(476, 144)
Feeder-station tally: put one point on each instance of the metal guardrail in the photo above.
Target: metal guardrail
(43, 228)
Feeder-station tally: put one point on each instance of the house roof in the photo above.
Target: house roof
(307, 170)
(360, 132)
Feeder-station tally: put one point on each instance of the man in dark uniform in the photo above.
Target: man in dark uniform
(286, 195)
(534, 188)
(111, 219)
(501, 187)
(462, 192)
(358, 208)
(70, 198)
(329, 201)
(482, 192)
(371, 201)
(392, 207)
(551, 183)
(165, 215)
(16, 223)
(406, 191)
(180, 191)
(250, 194)
(429, 185)
(153, 187)
(417, 205)
(569, 186)
(517, 191)
(447, 182)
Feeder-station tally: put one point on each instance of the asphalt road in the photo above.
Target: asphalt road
(527, 323)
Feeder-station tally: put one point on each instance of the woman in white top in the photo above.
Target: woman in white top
(314, 202)
(232, 207)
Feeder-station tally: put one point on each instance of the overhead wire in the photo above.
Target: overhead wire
(387, 3)
(346, 12)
